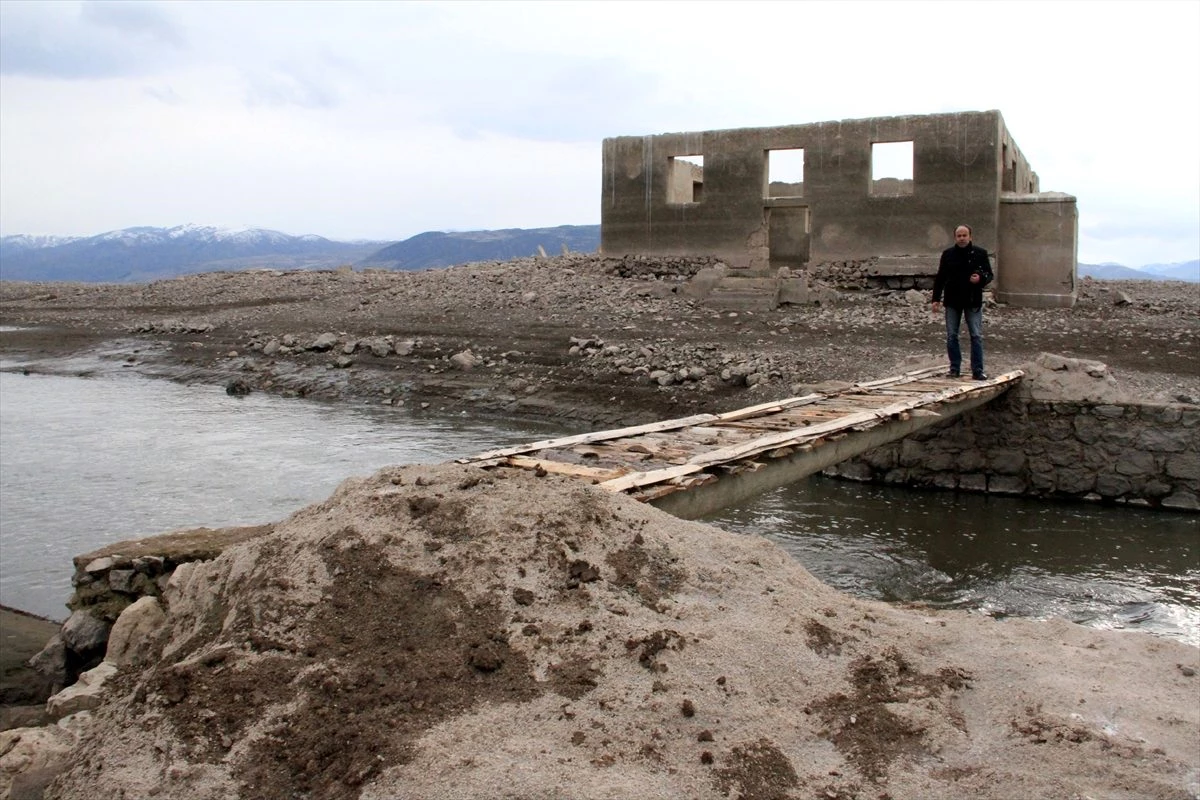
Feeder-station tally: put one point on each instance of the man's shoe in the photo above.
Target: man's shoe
(952, 374)
(979, 376)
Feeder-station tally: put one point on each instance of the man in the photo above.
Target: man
(961, 276)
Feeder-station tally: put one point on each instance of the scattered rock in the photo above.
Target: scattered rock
(324, 342)
(84, 695)
(84, 634)
(238, 387)
(465, 360)
(131, 637)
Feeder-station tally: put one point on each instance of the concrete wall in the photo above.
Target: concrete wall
(957, 172)
(1037, 250)
(1143, 455)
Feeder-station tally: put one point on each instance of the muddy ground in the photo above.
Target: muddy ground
(576, 338)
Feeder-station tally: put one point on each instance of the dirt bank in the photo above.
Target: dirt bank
(578, 338)
(445, 632)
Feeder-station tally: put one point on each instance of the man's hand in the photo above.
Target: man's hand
(975, 278)
(936, 306)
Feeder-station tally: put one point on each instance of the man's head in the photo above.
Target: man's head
(962, 235)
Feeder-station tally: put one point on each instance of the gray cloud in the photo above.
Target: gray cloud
(283, 86)
(164, 94)
(134, 20)
(569, 99)
(89, 41)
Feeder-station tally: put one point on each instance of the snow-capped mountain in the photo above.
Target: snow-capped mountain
(25, 241)
(1183, 271)
(144, 253)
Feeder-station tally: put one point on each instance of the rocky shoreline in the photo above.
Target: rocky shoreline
(575, 338)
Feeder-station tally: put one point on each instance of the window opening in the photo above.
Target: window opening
(785, 172)
(685, 179)
(891, 168)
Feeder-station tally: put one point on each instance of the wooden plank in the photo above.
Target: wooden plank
(594, 436)
(907, 376)
(559, 468)
(766, 408)
(772, 441)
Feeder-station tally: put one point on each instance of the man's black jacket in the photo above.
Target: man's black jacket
(954, 277)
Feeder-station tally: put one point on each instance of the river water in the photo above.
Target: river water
(89, 461)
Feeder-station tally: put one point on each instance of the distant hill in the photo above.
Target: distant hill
(434, 249)
(145, 254)
(1185, 271)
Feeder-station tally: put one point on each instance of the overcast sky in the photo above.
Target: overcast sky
(383, 120)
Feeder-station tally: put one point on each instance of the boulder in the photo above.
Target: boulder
(238, 388)
(1055, 377)
(51, 663)
(31, 757)
(379, 346)
(84, 695)
(83, 633)
(132, 634)
(324, 342)
(465, 360)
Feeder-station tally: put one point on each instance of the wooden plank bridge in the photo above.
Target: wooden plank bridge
(694, 465)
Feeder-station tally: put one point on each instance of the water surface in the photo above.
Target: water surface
(89, 461)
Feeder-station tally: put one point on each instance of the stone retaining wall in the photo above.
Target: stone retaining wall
(659, 267)
(1136, 454)
(109, 580)
(869, 275)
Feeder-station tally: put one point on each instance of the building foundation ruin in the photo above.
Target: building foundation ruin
(885, 193)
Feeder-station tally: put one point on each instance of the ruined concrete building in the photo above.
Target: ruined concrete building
(881, 196)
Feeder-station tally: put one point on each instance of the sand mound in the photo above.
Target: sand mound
(442, 632)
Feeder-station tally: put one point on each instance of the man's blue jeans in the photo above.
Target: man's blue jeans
(954, 318)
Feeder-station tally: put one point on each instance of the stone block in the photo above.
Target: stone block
(1068, 454)
(939, 462)
(1007, 462)
(1042, 476)
(882, 458)
(1006, 484)
(1155, 488)
(1159, 440)
(1136, 462)
(1184, 466)
(973, 482)
(1113, 485)
(856, 470)
(1075, 481)
(911, 453)
(121, 580)
(1058, 429)
(944, 480)
(1120, 436)
(1182, 501)
(1168, 415)
(1087, 429)
(100, 565)
(1109, 411)
(970, 461)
